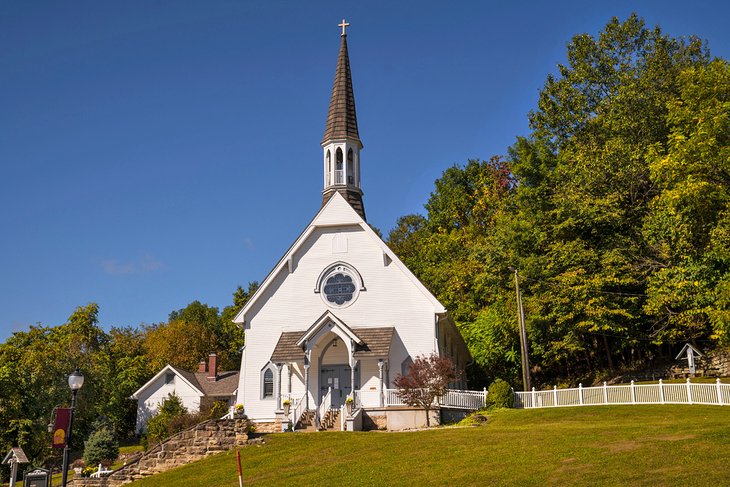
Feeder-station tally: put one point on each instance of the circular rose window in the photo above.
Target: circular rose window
(339, 285)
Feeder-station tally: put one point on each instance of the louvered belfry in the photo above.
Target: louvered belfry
(341, 141)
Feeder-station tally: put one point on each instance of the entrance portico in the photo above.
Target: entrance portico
(335, 359)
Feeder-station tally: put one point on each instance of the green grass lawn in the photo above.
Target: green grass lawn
(604, 445)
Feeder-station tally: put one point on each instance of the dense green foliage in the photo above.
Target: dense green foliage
(35, 364)
(614, 210)
(500, 394)
(608, 445)
(101, 447)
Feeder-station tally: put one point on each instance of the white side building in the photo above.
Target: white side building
(195, 390)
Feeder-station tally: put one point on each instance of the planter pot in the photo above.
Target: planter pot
(287, 408)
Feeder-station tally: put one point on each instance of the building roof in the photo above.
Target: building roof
(341, 117)
(225, 384)
(16, 453)
(375, 343)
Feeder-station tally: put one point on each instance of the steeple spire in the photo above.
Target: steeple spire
(341, 141)
(341, 117)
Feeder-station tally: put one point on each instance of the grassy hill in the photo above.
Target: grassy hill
(614, 445)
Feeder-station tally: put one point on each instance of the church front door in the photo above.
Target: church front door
(338, 378)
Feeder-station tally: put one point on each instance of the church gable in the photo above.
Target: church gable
(337, 234)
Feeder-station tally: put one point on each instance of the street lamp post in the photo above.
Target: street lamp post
(75, 381)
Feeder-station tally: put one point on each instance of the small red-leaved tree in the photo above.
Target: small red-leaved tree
(427, 379)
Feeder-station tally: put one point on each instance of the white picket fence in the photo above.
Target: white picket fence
(661, 393)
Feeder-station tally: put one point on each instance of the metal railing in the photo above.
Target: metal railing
(661, 393)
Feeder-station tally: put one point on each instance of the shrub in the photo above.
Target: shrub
(500, 395)
(100, 446)
(217, 410)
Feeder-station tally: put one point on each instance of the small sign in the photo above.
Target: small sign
(39, 477)
(60, 427)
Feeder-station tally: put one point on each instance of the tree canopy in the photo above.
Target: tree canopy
(614, 209)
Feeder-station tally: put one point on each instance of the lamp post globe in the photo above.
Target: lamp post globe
(75, 381)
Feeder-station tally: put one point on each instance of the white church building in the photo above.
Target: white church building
(339, 316)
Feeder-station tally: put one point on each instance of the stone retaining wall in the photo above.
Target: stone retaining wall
(201, 440)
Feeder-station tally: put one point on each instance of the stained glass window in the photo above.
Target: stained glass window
(339, 289)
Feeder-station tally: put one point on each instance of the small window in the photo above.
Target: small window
(338, 161)
(169, 378)
(268, 383)
(405, 366)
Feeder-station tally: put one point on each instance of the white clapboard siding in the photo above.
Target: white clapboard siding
(288, 302)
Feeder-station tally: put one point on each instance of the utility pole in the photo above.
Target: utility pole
(523, 335)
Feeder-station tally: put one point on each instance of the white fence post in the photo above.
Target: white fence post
(605, 392)
(719, 391)
(484, 401)
(534, 403)
(633, 392)
(689, 391)
(555, 396)
(661, 391)
(580, 393)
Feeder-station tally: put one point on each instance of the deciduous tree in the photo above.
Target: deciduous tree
(426, 381)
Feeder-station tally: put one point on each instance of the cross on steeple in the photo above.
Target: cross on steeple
(344, 25)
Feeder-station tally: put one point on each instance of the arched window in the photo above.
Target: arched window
(350, 174)
(339, 177)
(267, 381)
(329, 167)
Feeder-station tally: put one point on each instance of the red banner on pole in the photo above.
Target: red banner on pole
(60, 427)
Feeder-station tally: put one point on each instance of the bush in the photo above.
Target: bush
(500, 395)
(217, 410)
(100, 446)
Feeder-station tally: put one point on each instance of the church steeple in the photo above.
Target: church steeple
(341, 143)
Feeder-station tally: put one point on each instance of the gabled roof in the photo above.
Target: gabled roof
(341, 117)
(374, 342)
(684, 351)
(226, 383)
(18, 454)
(322, 321)
(324, 219)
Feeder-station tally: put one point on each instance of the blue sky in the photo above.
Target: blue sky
(153, 153)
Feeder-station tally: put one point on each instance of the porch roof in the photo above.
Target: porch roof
(375, 343)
